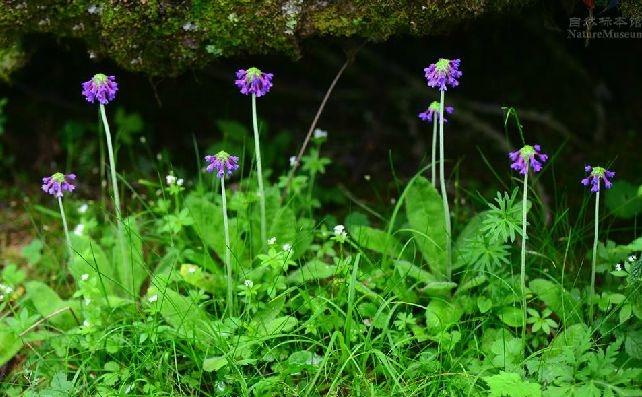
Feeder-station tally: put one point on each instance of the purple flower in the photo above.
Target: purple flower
(597, 174)
(444, 72)
(222, 161)
(434, 108)
(100, 87)
(56, 183)
(253, 81)
(527, 156)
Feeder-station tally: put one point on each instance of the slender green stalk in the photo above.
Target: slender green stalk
(127, 274)
(64, 226)
(434, 152)
(228, 253)
(259, 171)
(444, 196)
(522, 273)
(595, 238)
(112, 164)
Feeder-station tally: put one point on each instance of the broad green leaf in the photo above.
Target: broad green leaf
(484, 304)
(302, 359)
(132, 273)
(189, 320)
(312, 271)
(10, 343)
(633, 344)
(625, 313)
(470, 231)
(558, 300)
(439, 288)
(214, 363)
(472, 283)
(376, 240)
(623, 200)
(208, 223)
(441, 314)
(46, 301)
(275, 326)
(425, 212)
(511, 316)
(90, 259)
(508, 384)
(407, 269)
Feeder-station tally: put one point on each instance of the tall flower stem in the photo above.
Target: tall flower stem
(112, 163)
(259, 171)
(522, 272)
(114, 186)
(444, 196)
(65, 228)
(434, 153)
(594, 259)
(228, 253)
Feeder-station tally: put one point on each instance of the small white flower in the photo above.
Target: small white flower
(319, 133)
(79, 229)
(143, 140)
(159, 156)
(153, 298)
(1, 297)
(220, 386)
(83, 208)
(191, 269)
(287, 247)
(292, 161)
(366, 177)
(94, 9)
(8, 290)
(85, 324)
(87, 301)
(272, 241)
(179, 181)
(170, 179)
(249, 283)
(618, 267)
(632, 258)
(338, 229)
(84, 277)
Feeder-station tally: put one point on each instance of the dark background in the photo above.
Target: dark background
(581, 103)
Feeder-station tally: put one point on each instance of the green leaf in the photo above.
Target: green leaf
(484, 304)
(512, 316)
(270, 327)
(312, 271)
(183, 314)
(10, 343)
(214, 363)
(407, 269)
(633, 344)
(425, 212)
(133, 273)
(33, 251)
(558, 300)
(625, 313)
(208, 223)
(46, 301)
(441, 314)
(511, 385)
(439, 288)
(91, 259)
(623, 200)
(376, 240)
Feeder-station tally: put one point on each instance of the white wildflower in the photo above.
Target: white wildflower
(249, 283)
(272, 241)
(170, 179)
(79, 229)
(618, 267)
(287, 247)
(152, 298)
(320, 134)
(292, 161)
(84, 277)
(83, 208)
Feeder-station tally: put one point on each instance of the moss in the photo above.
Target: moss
(164, 37)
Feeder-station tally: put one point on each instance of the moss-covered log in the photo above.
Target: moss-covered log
(164, 37)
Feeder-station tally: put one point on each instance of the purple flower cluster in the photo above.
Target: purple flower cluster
(596, 175)
(444, 72)
(253, 81)
(527, 156)
(100, 87)
(222, 162)
(56, 183)
(435, 108)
